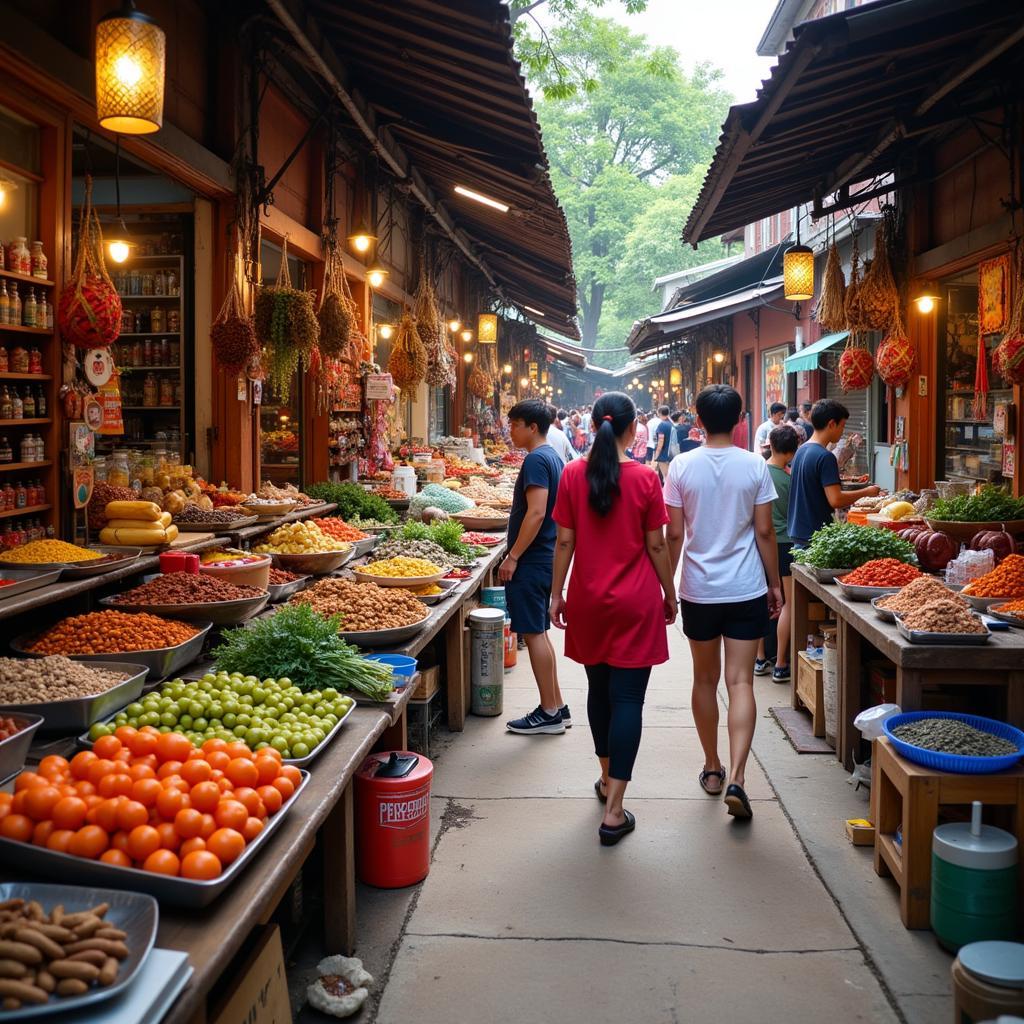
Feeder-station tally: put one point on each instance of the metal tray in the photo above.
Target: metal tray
(430, 599)
(826, 575)
(365, 546)
(219, 613)
(282, 591)
(982, 604)
(82, 570)
(14, 749)
(80, 712)
(313, 563)
(854, 593)
(916, 636)
(26, 580)
(472, 523)
(270, 511)
(132, 912)
(883, 613)
(176, 892)
(1013, 620)
(396, 581)
(160, 663)
(235, 524)
(384, 637)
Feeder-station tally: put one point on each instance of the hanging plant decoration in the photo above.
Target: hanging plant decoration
(359, 350)
(878, 296)
(1008, 358)
(431, 327)
(830, 311)
(480, 383)
(895, 356)
(856, 367)
(233, 334)
(852, 303)
(408, 361)
(335, 314)
(89, 313)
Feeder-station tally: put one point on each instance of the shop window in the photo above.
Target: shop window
(439, 422)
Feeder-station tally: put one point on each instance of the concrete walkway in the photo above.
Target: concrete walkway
(694, 918)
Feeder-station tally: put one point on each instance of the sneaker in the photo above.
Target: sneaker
(762, 666)
(537, 721)
(520, 644)
(566, 717)
(780, 674)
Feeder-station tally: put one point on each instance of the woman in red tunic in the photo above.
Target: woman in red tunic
(611, 517)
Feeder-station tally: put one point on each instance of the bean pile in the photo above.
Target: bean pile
(482, 512)
(944, 616)
(185, 588)
(951, 736)
(363, 606)
(918, 593)
(424, 549)
(1005, 580)
(39, 552)
(41, 680)
(211, 516)
(111, 632)
(398, 568)
(882, 572)
(281, 576)
(55, 953)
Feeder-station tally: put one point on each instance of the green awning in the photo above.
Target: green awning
(807, 358)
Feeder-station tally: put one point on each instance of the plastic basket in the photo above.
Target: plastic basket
(958, 763)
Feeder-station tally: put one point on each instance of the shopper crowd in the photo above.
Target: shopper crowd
(662, 516)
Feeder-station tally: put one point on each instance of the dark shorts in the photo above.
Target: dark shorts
(785, 559)
(528, 597)
(735, 620)
(650, 455)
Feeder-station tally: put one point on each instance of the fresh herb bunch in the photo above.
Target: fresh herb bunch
(846, 546)
(990, 505)
(304, 646)
(353, 501)
(445, 534)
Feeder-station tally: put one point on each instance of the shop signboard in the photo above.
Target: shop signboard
(83, 484)
(773, 377)
(378, 387)
(533, 371)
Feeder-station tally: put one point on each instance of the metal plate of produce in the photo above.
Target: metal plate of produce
(24, 580)
(855, 593)
(116, 558)
(161, 662)
(917, 636)
(1013, 620)
(282, 591)
(430, 599)
(176, 892)
(885, 614)
(826, 575)
(271, 510)
(365, 546)
(213, 527)
(396, 581)
(14, 749)
(80, 712)
(481, 523)
(131, 912)
(313, 563)
(220, 613)
(384, 637)
(982, 604)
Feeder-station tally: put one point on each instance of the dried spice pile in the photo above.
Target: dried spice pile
(944, 616)
(919, 593)
(112, 632)
(951, 736)
(882, 572)
(185, 588)
(362, 606)
(1005, 580)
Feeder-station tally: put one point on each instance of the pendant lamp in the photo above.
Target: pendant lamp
(131, 57)
(487, 329)
(798, 270)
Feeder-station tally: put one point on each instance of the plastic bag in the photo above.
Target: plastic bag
(870, 720)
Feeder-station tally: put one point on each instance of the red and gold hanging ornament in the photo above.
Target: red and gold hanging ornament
(89, 312)
(1008, 358)
(233, 334)
(856, 367)
(895, 356)
(878, 297)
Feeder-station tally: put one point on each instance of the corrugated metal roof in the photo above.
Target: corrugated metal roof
(442, 78)
(851, 93)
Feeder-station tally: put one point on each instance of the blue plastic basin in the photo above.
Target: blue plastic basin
(401, 664)
(956, 762)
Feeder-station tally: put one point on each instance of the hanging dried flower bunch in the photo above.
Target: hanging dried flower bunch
(852, 303)
(856, 367)
(878, 294)
(335, 314)
(1008, 358)
(831, 311)
(895, 356)
(431, 327)
(233, 333)
(408, 361)
(359, 347)
(480, 383)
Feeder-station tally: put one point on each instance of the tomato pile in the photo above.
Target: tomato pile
(882, 572)
(150, 800)
(8, 727)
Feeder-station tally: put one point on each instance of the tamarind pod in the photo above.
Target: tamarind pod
(87, 928)
(46, 981)
(12, 904)
(108, 972)
(12, 969)
(74, 969)
(90, 956)
(100, 910)
(57, 914)
(35, 910)
(46, 945)
(10, 1003)
(52, 931)
(109, 946)
(19, 990)
(72, 987)
(112, 933)
(20, 951)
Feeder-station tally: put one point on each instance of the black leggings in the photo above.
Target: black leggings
(615, 708)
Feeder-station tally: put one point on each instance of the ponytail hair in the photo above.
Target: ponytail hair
(613, 414)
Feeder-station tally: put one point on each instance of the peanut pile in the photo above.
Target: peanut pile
(948, 615)
(111, 632)
(918, 593)
(363, 606)
(41, 680)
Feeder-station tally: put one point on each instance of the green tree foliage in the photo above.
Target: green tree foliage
(640, 124)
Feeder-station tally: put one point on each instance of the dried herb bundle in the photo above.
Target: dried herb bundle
(408, 362)
(431, 327)
(233, 334)
(480, 383)
(1008, 358)
(335, 313)
(852, 304)
(878, 294)
(831, 309)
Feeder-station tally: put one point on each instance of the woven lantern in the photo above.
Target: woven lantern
(856, 368)
(487, 329)
(798, 273)
(131, 56)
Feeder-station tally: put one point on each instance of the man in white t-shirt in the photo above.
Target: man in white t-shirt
(557, 438)
(719, 500)
(775, 415)
(652, 430)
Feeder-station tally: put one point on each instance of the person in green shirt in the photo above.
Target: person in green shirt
(784, 441)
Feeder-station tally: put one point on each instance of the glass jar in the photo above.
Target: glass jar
(166, 391)
(5, 363)
(173, 321)
(156, 319)
(19, 259)
(37, 260)
(127, 320)
(118, 472)
(19, 360)
(35, 361)
(137, 353)
(99, 469)
(150, 392)
(146, 470)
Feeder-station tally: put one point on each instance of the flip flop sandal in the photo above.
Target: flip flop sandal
(603, 797)
(708, 774)
(611, 834)
(737, 804)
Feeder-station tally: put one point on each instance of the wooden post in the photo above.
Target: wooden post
(338, 832)
(848, 664)
(455, 672)
(799, 626)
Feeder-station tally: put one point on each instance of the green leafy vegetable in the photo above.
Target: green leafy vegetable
(846, 546)
(353, 501)
(446, 534)
(304, 646)
(990, 505)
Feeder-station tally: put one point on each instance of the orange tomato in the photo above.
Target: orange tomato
(212, 744)
(200, 864)
(85, 788)
(242, 772)
(208, 826)
(175, 782)
(168, 768)
(92, 800)
(42, 832)
(251, 829)
(283, 786)
(105, 815)
(169, 802)
(53, 766)
(190, 845)
(169, 838)
(17, 826)
(98, 768)
(162, 862)
(267, 769)
(40, 800)
(119, 841)
(218, 759)
(106, 746)
(141, 771)
(142, 743)
(271, 752)
(205, 796)
(271, 797)
(225, 786)
(80, 764)
(226, 844)
(237, 748)
(68, 813)
(124, 733)
(59, 840)
(188, 823)
(5, 809)
(146, 791)
(173, 746)
(131, 814)
(89, 842)
(249, 798)
(290, 772)
(196, 771)
(142, 841)
(118, 857)
(114, 784)
(18, 803)
(231, 814)
(26, 780)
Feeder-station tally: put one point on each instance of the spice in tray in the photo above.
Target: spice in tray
(278, 577)
(401, 567)
(918, 593)
(112, 632)
(299, 539)
(339, 529)
(42, 680)
(1005, 580)
(882, 572)
(185, 588)
(488, 540)
(40, 552)
(1010, 608)
(390, 494)
(482, 512)
(428, 590)
(944, 616)
(194, 515)
(952, 736)
(363, 606)
(458, 574)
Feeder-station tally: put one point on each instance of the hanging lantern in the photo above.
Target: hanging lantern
(376, 275)
(362, 238)
(487, 329)
(798, 273)
(675, 377)
(926, 297)
(131, 55)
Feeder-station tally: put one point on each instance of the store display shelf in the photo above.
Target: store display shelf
(149, 334)
(166, 298)
(159, 256)
(25, 376)
(985, 423)
(29, 510)
(27, 330)
(151, 408)
(9, 467)
(25, 423)
(27, 278)
(172, 366)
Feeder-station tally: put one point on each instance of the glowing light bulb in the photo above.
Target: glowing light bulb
(468, 357)
(127, 71)
(925, 304)
(361, 243)
(118, 250)
(386, 331)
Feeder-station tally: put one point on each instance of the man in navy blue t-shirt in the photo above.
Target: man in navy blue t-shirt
(527, 567)
(815, 491)
(662, 442)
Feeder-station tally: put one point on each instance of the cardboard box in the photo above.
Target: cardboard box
(860, 832)
(430, 681)
(260, 995)
(881, 682)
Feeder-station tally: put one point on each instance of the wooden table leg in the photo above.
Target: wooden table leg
(455, 672)
(920, 816)
(338, 833)
(1015, 698)
(909, 688)
(395, 736)
(798, 633)
(848, 668)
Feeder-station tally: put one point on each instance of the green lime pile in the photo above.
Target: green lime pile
(268, 712)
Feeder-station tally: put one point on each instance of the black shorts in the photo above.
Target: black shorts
(527, 598)
(735, 620)
(785, 560)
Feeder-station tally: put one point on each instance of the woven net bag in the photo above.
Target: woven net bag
(895, 356)
(856, 367)
(1008, 358)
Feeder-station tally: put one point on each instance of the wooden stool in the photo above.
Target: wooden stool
(908, 794)
(808, 690)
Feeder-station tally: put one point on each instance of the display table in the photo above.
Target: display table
(998, 664)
